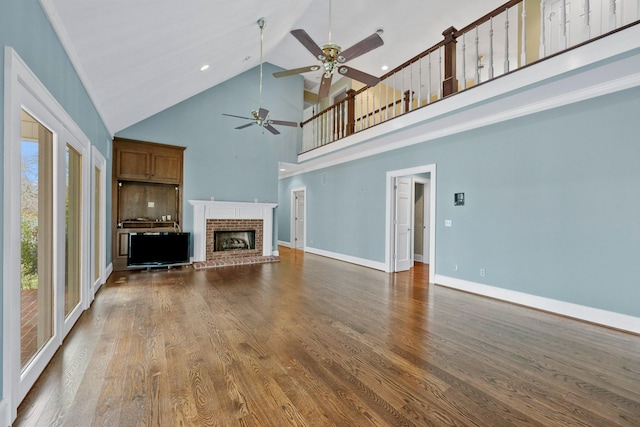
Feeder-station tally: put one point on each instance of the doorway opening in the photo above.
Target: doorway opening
(411, 193)
(298, 218)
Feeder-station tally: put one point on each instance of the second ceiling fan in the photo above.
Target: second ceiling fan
(261, 115)
(332, 57)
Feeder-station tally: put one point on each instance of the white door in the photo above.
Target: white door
(426, 222)
(402, 222)
(298, 227)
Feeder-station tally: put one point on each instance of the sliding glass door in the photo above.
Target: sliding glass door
(46, 230)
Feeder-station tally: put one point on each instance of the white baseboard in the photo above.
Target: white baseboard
(417, 258)
(5, 420)
(347, 258)
(589, 314)
(108, 272)
(285, 244)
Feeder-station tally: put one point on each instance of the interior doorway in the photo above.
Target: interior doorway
(298, 218)
(421, 218)
(401, 225)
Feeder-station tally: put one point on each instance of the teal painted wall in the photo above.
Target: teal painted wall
(551, 208)
(25, 28)
(223, 162)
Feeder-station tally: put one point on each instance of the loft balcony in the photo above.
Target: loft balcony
(519, 45)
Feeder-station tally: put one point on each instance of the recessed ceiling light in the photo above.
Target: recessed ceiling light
(385, 67)
(282, 169)
(204, 67)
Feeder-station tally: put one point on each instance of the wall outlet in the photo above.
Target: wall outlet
(482, 272)
(151, 204)
(455, 267)
(447, 223)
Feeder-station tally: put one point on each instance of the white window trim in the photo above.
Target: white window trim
(99, 162)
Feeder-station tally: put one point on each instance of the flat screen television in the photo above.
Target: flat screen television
(158, 249)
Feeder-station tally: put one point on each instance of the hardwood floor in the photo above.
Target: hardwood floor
(311, 341)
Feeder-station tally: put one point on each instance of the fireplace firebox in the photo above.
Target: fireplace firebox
(224, 240)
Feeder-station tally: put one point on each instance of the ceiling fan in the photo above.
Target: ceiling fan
(261, 115)
(332, 57)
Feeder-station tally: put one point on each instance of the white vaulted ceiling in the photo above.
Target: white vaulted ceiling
(139, 57)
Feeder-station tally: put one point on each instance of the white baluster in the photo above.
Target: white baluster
(361, 117)
(542, 52)
(563, 24)
(464, 61)
(411, 86)
(506, 41)
(367, 108)
(429, 82)
(380, 102)
(523, 36)
(439, 72)
(314, 131)
(586, 20)
(386, 102)
(420, 82)
(612, 14)
(328, 128)
(477, 57)
(491, 48)
(402, 110)
(395, 83)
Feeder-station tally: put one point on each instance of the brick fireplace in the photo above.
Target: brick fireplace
(233, 251)
(248, 227)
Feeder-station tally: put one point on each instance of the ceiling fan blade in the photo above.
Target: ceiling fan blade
(283, 123)
(361, 76)
(325, 85)
(308, 42)
(271, 129)
(362, 47)
(296, 71)
(263, 113)
(239, 117)
(245, 126)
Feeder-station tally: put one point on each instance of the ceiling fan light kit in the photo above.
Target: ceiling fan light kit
(261, 115)
(331, 56)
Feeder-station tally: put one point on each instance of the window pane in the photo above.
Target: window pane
(36, 249)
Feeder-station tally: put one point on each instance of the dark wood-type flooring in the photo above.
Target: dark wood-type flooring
(311, 341)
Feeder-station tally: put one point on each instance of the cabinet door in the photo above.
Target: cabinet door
(123, 244)
(132, 164)
(166, 167)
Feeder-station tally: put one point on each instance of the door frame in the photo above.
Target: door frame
(390, 229)
(292, 234)
(98, 162)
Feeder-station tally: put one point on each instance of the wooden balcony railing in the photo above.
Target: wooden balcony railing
(518, 33)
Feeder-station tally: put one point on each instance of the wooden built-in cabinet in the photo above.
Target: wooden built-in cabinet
(142, 161)
(147, 192)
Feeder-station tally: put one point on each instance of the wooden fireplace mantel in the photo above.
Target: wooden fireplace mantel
(206, 209)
